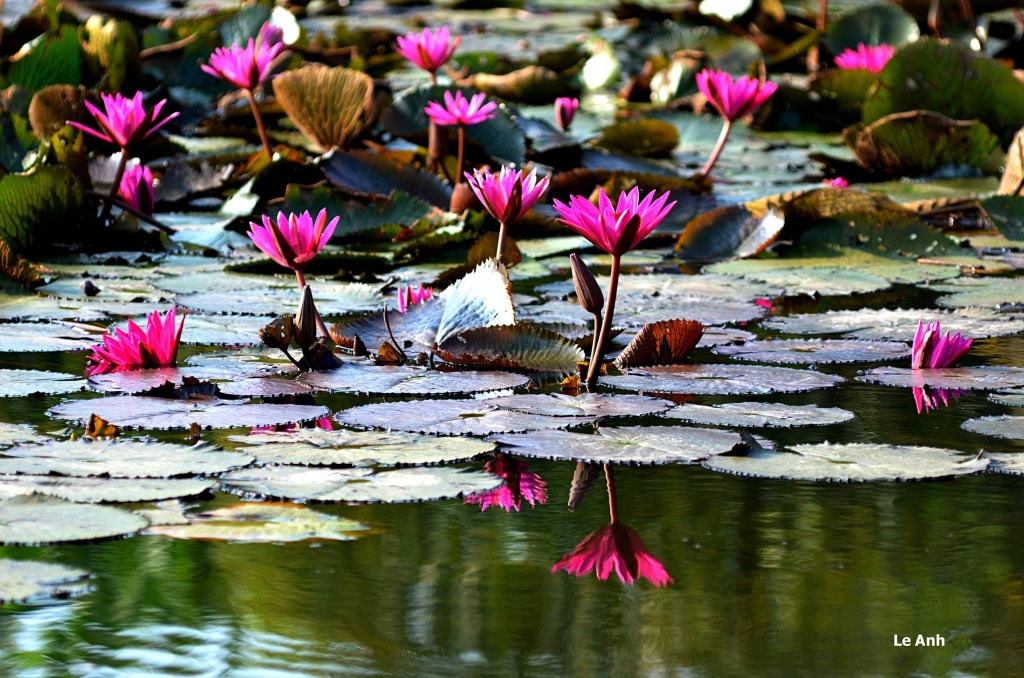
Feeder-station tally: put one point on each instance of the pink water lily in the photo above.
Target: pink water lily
(618, 228)
(294, 239)
(734, 100)
(565, 111)
(124, 121)
(246, 66)
(932, 349)
(429, 49)
(872, 57)
(509, 194)
(614, 548)
(407, 296)
(457, 110)
(520, 485)
(136, 188)
(156, 346)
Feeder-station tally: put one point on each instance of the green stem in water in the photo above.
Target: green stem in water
(597, 354)
(259, 124)
(717, 151)
(319, 321)
(115, 186)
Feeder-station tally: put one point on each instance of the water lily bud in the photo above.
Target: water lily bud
(305, 319)
(588, 292)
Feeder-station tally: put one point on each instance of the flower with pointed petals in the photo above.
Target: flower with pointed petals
(565, 111)
(838, 182)
(618, 228)
(934, 350)
(457, 110)
(136, 188)
(614, 548)
(871, 57)
(429, 49)
(270, 35)
(734, 99)
(124, 121)
(294, 239)
(519, 484)
(509, 194)
(244, 67)
(407, 296)
(156, 346)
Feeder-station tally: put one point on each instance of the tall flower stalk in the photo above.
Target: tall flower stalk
(461, 112)
(429, 49)
(616, 229)
(734, 100)
(507, 196)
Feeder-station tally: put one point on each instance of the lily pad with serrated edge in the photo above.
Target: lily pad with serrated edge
(963, 378)
(263, 522)
(263, 387)
(163, 414)
(638, 312)
(450, 417)
(1011, 397)
(34, 520)
(219, 279)
(103, 490)
(367, 378)
(851, 462)
(583, 405)
(896, 324)
(301, 483)
(222, 330)
(758, 415)
(720, 380)
(674, 287)
(119, 459)
(23, 580)
(512, 347)
(823, 281)
(992, 293)
(20, 383)
(40, 337)
(316, 447)
(120, 290)
(35, 308)
(1001, 426)
(139, 381)
(623, 445)
(1010, 463)
(719, 336)
(332, 298)
(816, 351)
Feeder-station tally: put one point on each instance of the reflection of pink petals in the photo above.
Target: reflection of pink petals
(519, 484)
(935, 349)
(614, 548)
(838, 182)
(407, 296)
(927, 400)
(765, 303)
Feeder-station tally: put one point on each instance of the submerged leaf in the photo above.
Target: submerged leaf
(331, 106)
(757, 415)
(667, 342)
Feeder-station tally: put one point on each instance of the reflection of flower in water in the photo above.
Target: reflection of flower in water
(614, 548)
(928, 400)
(519, 484)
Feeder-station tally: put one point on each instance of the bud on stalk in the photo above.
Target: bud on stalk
(588, 292)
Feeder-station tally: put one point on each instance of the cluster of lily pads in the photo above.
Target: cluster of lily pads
(344, 162)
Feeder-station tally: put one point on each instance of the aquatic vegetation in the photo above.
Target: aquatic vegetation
(156, 346)
(507, 196)
(565, 111)
(734, 100)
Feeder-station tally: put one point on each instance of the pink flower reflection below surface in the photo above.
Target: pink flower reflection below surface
(519, 484)
(325, 423)
(409, 296)
(927, 399)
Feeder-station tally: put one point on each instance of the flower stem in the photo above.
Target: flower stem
(115, 186)
(613, 501)
(717, 151)
(319, 321)
(597, 355)
(259, 123)
(502, 233)
(462, 150)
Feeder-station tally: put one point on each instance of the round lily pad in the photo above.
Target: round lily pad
(39, 337)
(851, 462)
(141, 381)
(896, 324)
(720, 380)
(583, 405)
(1011, 397)
(35, 308)
(263, 387)
(22, 580)
(119, 459)
(991, 293)
(164, 414)
(301, 483)
(18, 383)
(963, 378)
(263, 522)
(36, 520)
(811, 352)
(1001, 426)
(332, 298)
(1011, 463)
(101, 490)
(640, 311)
(316, 447)
(757, 415)
(366, 378)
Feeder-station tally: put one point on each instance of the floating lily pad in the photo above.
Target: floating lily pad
(39, 337)
(720, 380)
(583, 405)
(674, 287)
(758, 415)
(110, 289)
(19, 383)
(997, 293)
(1001, 426)
(35, 520)
(1011, 397)
(896, 324)
(450, 417)
(22, 580)
(263, 522)
(728, 232)
(360, 485)
(961, 378)
(332, 298)
(370, 379)
(1011, 463)
(140, 381)
(201, 280)
(316, 447)
(101, 490)
(873, 24)
(852, 462)
(35, 308)
(377, 175)
(119, 459)
(512, 347)
(623, 445)
(647, 137)
(164, 414)
(637, 312)
(222, 330)
(12, 434)
(263, 387)
(811, 351)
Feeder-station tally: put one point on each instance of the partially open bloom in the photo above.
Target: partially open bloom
(407, 296)
(519, 484)
(565, 111)
(136, 188)
(156, 346)
(734, 99)
(509, 194)
(619, 228)
(244, 67)
(457, 110)
(124, 121)
(294, 239)
(429, 49)
(614, 548)
(934, 350)
(871, 57)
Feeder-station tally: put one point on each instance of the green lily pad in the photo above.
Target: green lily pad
(372, 379)
(103, 490)
(330, 106)
(34, 202)
(1007, 213)
(733, 231)
(33, 520)
(874, 24)
(332, 298)
(1001, 426)
(812, 352)
(119, 459)
(54, 58)
(962, 378)
(376, 175)
(1011, 397)
(758, 415)
(992, 293)
(896, 324)
(839, 95)
(23, 580)
(886, 232)
(1010, 463)
(720, 380)
(31, 307)
(514, 347)
(40, 337)
(20, 383)
(264, 522)
(647, 137)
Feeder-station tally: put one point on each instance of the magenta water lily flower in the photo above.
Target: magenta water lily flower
(457, 110)
(407, 296)
(733, 99)
(156, 346)
(244, 67)
(615, 548)
(932, 349)
(429, 49)
(520, 485)
(124, 121)
(565, 111)
(871, 57)
(136, 188)
(618, 228)
(509, 194)
(294, 239)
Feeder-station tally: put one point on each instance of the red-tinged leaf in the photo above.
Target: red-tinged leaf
(667, 342)
(512, 347)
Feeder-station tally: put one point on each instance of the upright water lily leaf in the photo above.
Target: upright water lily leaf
(331, 106)
(667, 342)
(481, 299)
(920, 142)
(873, 24)
(1011, 463)
(946, 78)
(512, 347)
(759, 415)
(33, 520)
(730, 231)
(647, 137)
(264, 522)
(369, 379)
(46, 197)
(720, 380)
(373, 174)
(582, 405)
(21, 580)
(896, 324)
(104, 490)
(960, 378)
(54, 58)
(1007, 214)
(119, 459)
(851, 463)
(18, 383)
(816, 351)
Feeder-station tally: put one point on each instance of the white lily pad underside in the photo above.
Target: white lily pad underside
(896, 324)
(816, 351)
(34, 520)
(119, 459)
